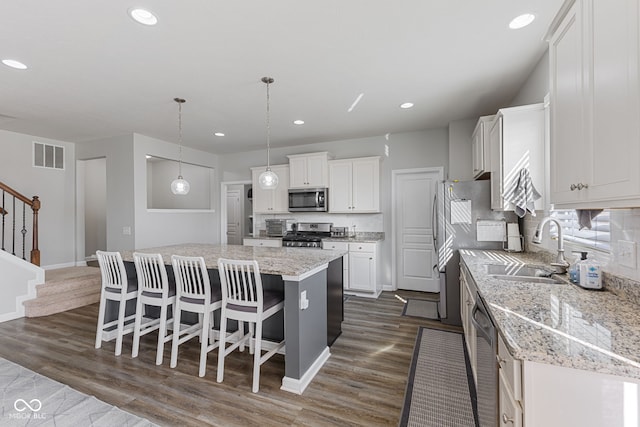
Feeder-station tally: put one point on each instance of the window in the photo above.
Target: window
(48, 156)
(598, 237)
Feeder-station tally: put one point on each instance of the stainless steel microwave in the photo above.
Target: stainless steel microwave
(308, 199)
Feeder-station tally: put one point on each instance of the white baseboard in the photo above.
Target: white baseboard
(65, 265)
(298, 386)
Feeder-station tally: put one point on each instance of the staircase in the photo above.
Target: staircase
(65, 289)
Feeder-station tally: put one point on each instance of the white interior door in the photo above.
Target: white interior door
(414, 255)
(234, 217)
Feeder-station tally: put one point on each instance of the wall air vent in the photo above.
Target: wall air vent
(48, 156)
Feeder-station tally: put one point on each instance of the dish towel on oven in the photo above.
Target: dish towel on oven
(522, 194)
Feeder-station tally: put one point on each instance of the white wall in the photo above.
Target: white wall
(157, 228)
(56, 189)
(95, 204)
(460, 155)
(536, 85)
(118, 152)
(407, 150)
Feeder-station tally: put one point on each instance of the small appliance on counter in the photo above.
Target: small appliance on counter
(278, 227)
(339, 231)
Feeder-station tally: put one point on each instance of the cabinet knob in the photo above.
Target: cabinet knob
(370, 259)
(581, 186)
(506, 419)
(573, 187)
(500, 360)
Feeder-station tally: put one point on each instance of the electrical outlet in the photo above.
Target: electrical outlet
(627, 253)
(304, 302)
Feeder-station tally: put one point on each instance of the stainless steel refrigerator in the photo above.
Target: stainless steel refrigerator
(459, 209)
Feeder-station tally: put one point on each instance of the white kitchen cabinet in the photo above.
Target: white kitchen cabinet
(467, 301)
(267, 243)
(509, 387)
(517, 142)
(364, 275)
(481, 147)
(271, 201)
(595, 105)
(309, 170)
(340, 246)
(354, 185)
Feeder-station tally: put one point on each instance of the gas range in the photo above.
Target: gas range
(307, 235)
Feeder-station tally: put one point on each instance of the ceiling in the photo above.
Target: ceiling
(95, 73)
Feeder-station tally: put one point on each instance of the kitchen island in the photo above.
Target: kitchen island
(307, 277)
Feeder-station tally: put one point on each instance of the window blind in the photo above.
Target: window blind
(598, 237)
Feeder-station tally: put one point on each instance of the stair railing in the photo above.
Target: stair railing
(11, 203)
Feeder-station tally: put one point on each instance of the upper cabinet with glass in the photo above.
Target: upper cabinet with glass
(595, 105)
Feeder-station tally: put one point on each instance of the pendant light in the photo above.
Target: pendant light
(268, 180)
(180, 186)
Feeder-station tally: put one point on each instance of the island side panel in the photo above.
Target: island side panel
(335, 300)
(305, 330)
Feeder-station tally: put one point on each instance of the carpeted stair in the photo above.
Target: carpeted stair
(65, 289)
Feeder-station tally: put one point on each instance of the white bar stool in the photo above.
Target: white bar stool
(194, 294)
(115, 287)
(244, 300)
(153, 290)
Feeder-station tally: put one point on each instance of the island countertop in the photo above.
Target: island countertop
(559, 324)
(278, 261)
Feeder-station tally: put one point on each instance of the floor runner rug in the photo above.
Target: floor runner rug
(437, 393)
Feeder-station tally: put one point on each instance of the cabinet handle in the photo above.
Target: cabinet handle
(370, 259)
(506, 419)
(500, 360)
(581, 186)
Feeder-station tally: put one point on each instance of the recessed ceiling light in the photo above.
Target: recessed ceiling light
(143, 16)
(14, 64)
(219, 134)
(406, 105)
(298, 122)
(521, 21)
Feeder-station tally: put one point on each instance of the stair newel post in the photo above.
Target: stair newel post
(35, 251)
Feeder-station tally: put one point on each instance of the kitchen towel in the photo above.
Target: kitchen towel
(585, 216)
(522, 194)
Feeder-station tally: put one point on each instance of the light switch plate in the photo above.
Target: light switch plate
(627, 253)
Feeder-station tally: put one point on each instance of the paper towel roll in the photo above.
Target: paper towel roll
(514, 241)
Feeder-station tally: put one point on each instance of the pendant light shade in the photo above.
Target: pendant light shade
(180, 186)
(268, 179)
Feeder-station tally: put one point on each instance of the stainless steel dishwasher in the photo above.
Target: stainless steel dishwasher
(486, 365)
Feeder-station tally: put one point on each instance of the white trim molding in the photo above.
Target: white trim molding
(296, 386)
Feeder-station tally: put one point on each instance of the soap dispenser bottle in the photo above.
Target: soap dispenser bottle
(574, 269)
(590, 274)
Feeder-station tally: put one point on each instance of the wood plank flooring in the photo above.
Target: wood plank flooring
(362, 383)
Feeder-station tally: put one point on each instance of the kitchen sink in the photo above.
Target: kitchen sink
(522, 273)
(518, 270)
(531, 279)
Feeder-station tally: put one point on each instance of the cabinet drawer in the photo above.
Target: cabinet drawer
(510, 369)
(271, 243)
(362, 247)
(338, 246)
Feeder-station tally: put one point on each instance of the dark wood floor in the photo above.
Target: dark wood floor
(362, 383)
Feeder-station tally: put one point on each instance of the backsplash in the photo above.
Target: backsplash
(363, 222)
(619, 279)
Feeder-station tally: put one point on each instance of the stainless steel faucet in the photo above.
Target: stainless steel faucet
(561, 264)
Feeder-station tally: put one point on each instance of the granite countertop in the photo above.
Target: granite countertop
(360, 237)
(559, 324)
(281, 261)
